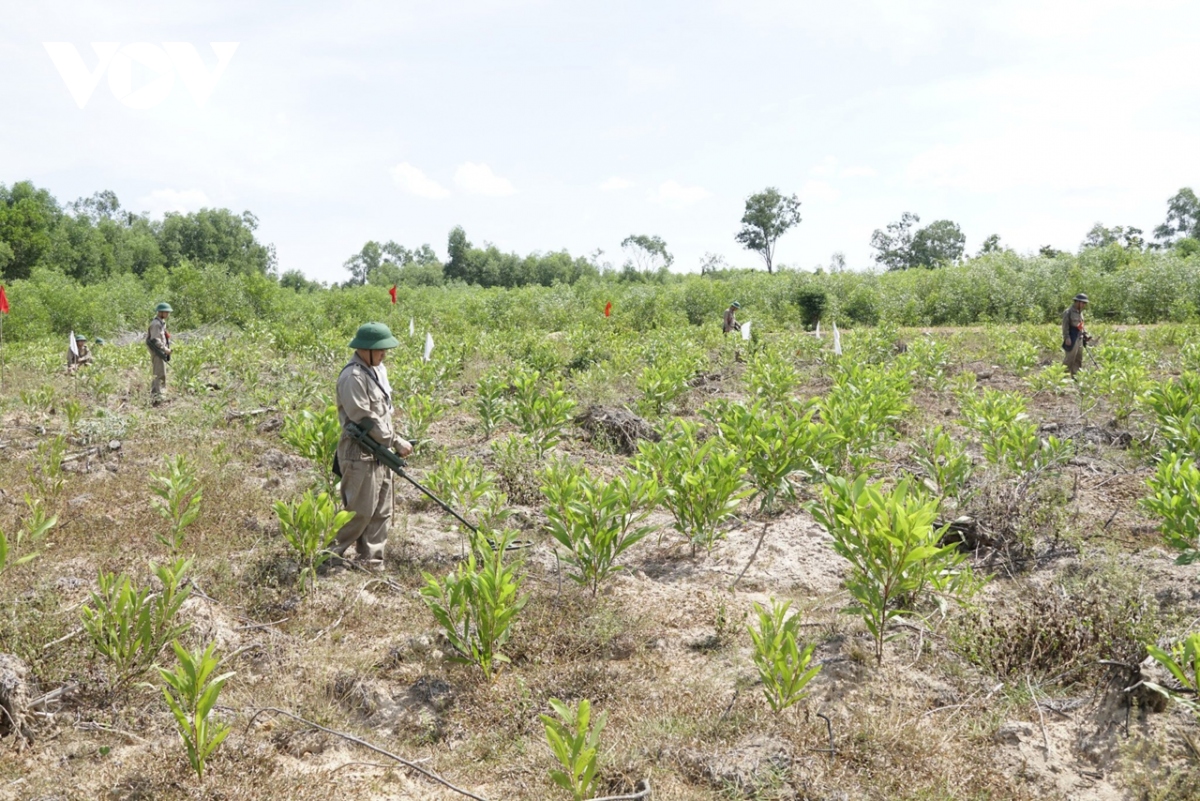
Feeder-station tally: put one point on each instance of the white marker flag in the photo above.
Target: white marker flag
(72, 346)
(411, 328)
(818, 329)
(428, 346)
(746, 331)
(837, 340)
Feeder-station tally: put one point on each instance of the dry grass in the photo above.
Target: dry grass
(664, 654)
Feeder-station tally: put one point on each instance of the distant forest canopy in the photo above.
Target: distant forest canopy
(91, 265)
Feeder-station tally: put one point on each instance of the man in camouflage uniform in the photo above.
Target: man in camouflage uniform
(731, 324)
(1074, 337)
(158, 340)
(364, 396)
(75, 360)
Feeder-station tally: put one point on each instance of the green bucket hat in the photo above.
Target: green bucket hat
(163, 307)
(374, 336)
(100, 340)
(80, 338)
(736, 305)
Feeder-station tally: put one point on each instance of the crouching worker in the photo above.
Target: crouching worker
(364, 397)
(80, 355)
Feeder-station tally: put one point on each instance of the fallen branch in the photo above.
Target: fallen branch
(88, 725)
(231, 415)
(262, 625)
(359, 741)
(758, 545)
(1041, 718)
(75, 457)
(638, 794)
(42, 701)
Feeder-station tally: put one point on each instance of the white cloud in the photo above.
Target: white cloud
(818, 191)
(644, 78)
(615, 184)
(672, 193)
(415, 182)
(161, 201)
(478, 179)
(859, 171)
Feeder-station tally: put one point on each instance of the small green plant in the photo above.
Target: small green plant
(782, 666)
(861, 411)
(776, 442)
(48, 475)
(477, 604)
(540, 413)
(1053, 378)
(595, 520)
(703, 483)
(930, 362)
(32, 530)
(191, 692)
(489, 403)
(41, 399)
(771, 376)
(129, 626)
(315, 436)
(894, 551)
(178, 500)
(516, 459)
(1177, 413)
(74, 410)
(1018, 355)
(945, 463)
(1175, 500)
(309, 525)
(1017, 446)
(1183, 662)
(421, 411)
(662, 384)
(575, 743)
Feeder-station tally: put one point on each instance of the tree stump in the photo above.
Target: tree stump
(619, 426)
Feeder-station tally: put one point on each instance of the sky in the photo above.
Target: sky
(540, 125)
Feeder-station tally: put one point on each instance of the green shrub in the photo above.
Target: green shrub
(540, 413)
(1183, 662)
(1175, 500)
(771, 376)
(310, 525)
(944, 462)
(315, 435)
(782, 666)
(489, 402)
(129, 626)
(703, 483)
(575, 744)
(663, 384)
(178, 500)
(595, 520)
(477, 604)
(894, 551)
(191, 692)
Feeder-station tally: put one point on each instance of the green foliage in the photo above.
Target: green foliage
(861, 410)
(309, 525)
(33, 530)
(575, 743)
(489, 402)
(47, 473)
(315, 435)
(771, 376)
(944, 462)
(1016, 445)
(191, 692)
(595, 520)
(1175, 500)
(1053, 378)
(541, 413)
(74, 410)
(930, 362)
(775, 443)
(516, 462)
(662, 384)
(129, 626)
(894, 551)
(178, 500)
(1018, 355)
(477, 603)
(1183, 662)
(702, 483)
(421, 411)
(782, 666)
(1177, 413)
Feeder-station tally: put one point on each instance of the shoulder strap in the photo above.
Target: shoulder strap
(374, 380)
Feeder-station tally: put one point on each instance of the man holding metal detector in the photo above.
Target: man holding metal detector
(364, 405)
(1074, 337)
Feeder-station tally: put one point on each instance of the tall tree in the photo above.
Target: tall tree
(647, 253)
(28, 216)
(459, 247)
(902, 248)
(1127, 237)
(1183, 218)
(768, 216)
(215, 236)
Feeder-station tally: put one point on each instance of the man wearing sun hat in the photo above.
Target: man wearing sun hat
(1074, 337)
(80, 355)
(730, 323)
(364, 396)
(158, 340)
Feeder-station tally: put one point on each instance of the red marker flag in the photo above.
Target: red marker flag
(3, 301)
(392, 292)
(608, 309)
